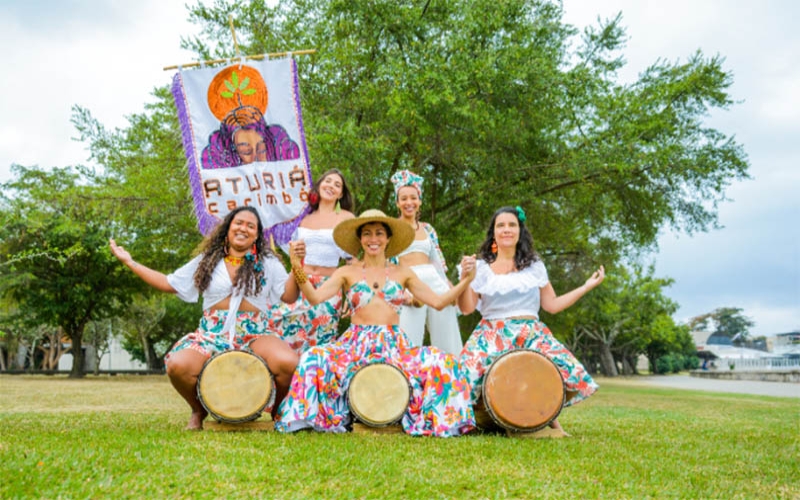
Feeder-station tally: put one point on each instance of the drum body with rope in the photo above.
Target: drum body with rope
(522, 392)
(235, 386)
(378, 394)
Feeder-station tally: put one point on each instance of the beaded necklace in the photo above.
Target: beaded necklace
(234, 261)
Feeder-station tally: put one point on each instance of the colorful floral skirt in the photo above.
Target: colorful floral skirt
(439, 404)
(303, 326)
(209, 339)
(492, 338)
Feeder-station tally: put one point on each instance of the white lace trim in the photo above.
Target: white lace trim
(488, 283)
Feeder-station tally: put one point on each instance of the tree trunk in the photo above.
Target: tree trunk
(607, 363)
(156, 361)
(627, 368)
(77, 355)
(148, 356)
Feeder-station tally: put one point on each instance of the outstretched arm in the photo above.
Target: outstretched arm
(150, 276)
(553, 303)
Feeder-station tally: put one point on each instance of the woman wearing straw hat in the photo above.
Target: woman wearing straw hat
(425, 258)
(439, 404)
(304, 325)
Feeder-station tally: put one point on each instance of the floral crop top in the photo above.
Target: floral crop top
(361, 294)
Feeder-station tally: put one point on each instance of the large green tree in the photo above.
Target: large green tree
(626, 316)
(144, 185)
(54, 254)
(499, 103)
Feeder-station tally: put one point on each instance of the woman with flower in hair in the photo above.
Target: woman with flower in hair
(425, 258)
(509, 286)
(239, 279)
(440, 401)
(305, 326)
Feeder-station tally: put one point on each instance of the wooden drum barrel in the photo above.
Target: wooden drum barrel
(522, 392)
(235, 386)
(378, 394)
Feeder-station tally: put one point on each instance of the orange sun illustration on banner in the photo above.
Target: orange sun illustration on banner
(234, 87)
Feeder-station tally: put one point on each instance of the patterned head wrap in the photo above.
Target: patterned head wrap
(405, 178)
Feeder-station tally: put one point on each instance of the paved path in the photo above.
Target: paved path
(780, 389)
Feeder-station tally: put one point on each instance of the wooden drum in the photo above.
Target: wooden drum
(522, 392)
(378, 394)
(235, 386)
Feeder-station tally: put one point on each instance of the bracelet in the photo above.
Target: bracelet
(299, 275)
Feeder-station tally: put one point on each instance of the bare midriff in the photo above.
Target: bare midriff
(319, 270)
(414, 259)
(225, 303)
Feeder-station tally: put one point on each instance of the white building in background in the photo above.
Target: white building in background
(785, 344)
(116, 358)
(722, 347)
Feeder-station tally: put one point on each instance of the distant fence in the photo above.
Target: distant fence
(757, 364)
(67, 372)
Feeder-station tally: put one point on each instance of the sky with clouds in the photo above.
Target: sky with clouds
(108, 56)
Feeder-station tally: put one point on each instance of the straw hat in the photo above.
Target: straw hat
(344, 234)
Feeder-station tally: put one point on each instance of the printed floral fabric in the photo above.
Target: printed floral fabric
(492, 338)
(209, 338)
(304, 326)
(439, 404)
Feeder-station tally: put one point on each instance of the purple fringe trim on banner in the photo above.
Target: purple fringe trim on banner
(205, 222)
(281, 233)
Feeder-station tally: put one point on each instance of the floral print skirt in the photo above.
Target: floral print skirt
(439, 404)
(304, 326)
(209, 338)
(491, 338)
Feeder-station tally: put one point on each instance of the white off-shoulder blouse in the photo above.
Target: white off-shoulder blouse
(508, 295)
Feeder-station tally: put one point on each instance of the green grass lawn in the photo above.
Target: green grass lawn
(122, 437)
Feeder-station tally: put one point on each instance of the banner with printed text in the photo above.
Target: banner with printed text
(243, 136)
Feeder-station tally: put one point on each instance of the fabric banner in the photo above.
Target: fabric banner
(243, 136)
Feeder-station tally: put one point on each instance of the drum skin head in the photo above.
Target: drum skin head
(523, 391)
(378, 394)
(235, 386)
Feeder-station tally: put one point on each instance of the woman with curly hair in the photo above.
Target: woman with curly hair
(240, 279)
(304, 325)
(509, 286)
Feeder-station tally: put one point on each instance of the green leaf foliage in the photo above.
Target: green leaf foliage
(499, 103)
(54, 253)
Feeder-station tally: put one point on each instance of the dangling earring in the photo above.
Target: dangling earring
(494, 247)
(338, 207)
(226, 245)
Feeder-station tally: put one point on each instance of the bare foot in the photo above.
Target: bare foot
(557, 426)
(196, 421)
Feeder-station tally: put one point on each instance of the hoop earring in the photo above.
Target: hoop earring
(226, 245)
(494, 247)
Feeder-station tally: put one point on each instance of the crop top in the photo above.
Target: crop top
(508, 295)
(321, 250)
(361, 294)
(430, 247)
(221, 286)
